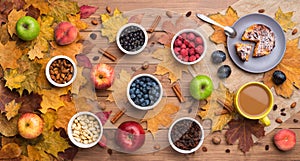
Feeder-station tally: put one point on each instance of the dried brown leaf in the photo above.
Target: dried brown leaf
(118, 86)
(10, 151)
(10, 126)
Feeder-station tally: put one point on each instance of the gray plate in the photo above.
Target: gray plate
(260, 64)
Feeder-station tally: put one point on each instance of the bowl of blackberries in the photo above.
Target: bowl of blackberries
(186, 135)
(144, 91)
(188, 46)
(132, 38)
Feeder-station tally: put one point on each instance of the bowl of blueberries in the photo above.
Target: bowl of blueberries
(132, 38)
(144, 91)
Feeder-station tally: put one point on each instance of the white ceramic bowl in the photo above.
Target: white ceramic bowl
(47, 71)
(146, 107)
(181, 150)
(70, 130)
(196, 32)
(120, 32)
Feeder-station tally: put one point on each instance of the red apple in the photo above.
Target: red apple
(130, 136)
(30, 125)
(102, 75)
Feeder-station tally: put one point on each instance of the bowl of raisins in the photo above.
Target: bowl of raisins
(186, 135)
(144, 91)
(188, 46)
(132, 38)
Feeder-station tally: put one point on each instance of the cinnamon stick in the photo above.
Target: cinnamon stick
(108, 55)
(154, 24)
(229, 108)
(117, 116)
(177, 90)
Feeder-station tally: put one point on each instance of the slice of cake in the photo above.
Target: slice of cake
(264, 38)
(243, 51)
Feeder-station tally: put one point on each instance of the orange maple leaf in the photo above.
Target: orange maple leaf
(164, 117)
(65, 112)
(70, 50)
(228, 19)
(290, 65)
(7, 59)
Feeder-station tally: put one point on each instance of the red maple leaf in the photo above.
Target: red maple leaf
(242, 130)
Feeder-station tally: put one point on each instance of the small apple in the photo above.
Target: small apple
(130, 136)
(201, 87)
(27, 28)
(30, 125)
(102, 75)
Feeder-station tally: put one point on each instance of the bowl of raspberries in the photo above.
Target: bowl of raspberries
(188, 46)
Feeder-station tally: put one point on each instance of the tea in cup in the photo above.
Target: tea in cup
(254, 100)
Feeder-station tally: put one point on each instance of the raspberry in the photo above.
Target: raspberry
(192, 58)
(184, 52)
(199, 49)
(186, 42)
(186, 59)
(180, 57)
(183, 46)
(192, 51)
(183, 35)
(191, 45)
(177, 50)
(191, 36)
(178, 42)
(199, 40)
(197, 56)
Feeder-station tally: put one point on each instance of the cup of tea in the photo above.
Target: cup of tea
(254, 100)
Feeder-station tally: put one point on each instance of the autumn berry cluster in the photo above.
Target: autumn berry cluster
(188, 46)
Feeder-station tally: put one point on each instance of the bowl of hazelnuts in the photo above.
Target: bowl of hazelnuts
(61, 71)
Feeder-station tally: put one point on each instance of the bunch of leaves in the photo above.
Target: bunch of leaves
(219, 108)
(163, 118)
(111, 24)
(228, 19)
(242, 129)
(171, 29)
(284, 19)
(168, 64)
(290, 65)
(60, 9)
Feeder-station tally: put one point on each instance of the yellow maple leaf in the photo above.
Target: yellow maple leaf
(168, 64)
(105, 17)
(12, 109)
(284, 19)
(112, 24)
(13, 79)
(7, 59)
(163, 118)
(290, 65)
(119, 86)
(10, 151)
(228, 19)
(210, 110)
(79, 81)
(13, 18)
(70, 50)
(65, 113)
(51, 98)
(43, 6)
(75, 20)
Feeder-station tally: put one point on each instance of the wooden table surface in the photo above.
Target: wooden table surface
(214, 152)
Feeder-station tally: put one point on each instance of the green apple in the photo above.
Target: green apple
(201, 87)
(27, 28)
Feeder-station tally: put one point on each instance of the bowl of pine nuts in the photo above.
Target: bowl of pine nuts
(61, 71)
(85, 129)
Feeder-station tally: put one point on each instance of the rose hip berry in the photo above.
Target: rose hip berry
(188, 46)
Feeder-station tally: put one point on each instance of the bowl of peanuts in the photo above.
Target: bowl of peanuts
(61, 71)
(85, 129)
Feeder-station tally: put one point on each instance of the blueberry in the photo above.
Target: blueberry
(278, 77)
(137, 91)
(132, 96)
(142, 100)
(218, 56)
(139, 95)
(147, 102)
(224, 71)
(146, 96)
